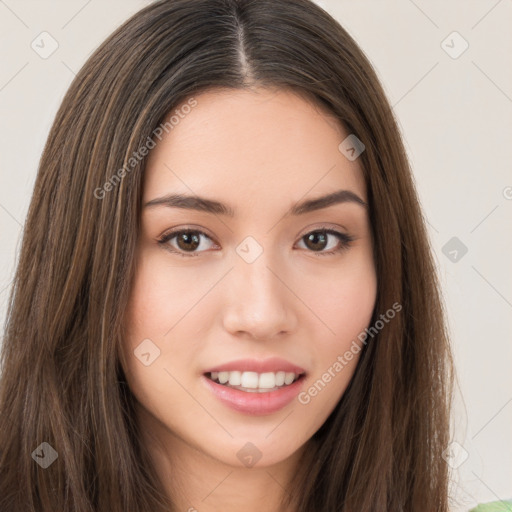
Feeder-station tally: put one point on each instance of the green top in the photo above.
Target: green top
(494, 506)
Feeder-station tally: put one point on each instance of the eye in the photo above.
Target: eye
(188, 242)
(318, 240)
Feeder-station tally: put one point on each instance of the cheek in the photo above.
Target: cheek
(160, 296)
(149, 364)
(342, 298)
(344, 311)
(159, 318)
(146, 321)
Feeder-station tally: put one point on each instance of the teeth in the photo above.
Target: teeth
(249, 380)
(235, 378)
(266, 380)
(288, 378)
(280, 378)
(223, 377)
(253, 380)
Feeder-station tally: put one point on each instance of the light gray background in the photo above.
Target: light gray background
(455, 117)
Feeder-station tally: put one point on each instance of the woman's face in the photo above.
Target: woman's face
(255, 279)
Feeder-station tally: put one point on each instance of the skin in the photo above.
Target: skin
(260, 151)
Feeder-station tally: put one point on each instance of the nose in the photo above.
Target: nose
(259, 303)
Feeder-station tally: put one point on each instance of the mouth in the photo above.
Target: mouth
(254, 382)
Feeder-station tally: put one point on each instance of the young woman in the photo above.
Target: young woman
(225, 298)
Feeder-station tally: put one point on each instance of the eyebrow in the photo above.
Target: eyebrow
(203, 204)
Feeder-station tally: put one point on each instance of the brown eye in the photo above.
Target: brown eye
(187, 242)
(316, 240)
(320, 239)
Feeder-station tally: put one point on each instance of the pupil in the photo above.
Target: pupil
(194, 239)
(313, 237)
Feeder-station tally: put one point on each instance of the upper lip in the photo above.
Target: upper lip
(272, 364)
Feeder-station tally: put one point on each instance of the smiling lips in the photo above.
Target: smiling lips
(254, 374)
(272, 364)
(253, 381)
(255, 386)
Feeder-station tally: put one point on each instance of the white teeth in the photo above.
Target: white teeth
(288, 378)
(235, 378)
(249, 380)
(280, 378)
(254, 380)
(267, 380)
(223, 377)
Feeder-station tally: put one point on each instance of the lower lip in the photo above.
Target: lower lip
(255, 403)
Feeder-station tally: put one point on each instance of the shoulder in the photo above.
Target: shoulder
(494, 506)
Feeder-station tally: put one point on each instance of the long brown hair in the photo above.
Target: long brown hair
(62, 382)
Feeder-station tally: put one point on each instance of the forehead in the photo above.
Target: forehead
(248, 146)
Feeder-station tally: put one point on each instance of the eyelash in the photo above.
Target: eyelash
(346, 241)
